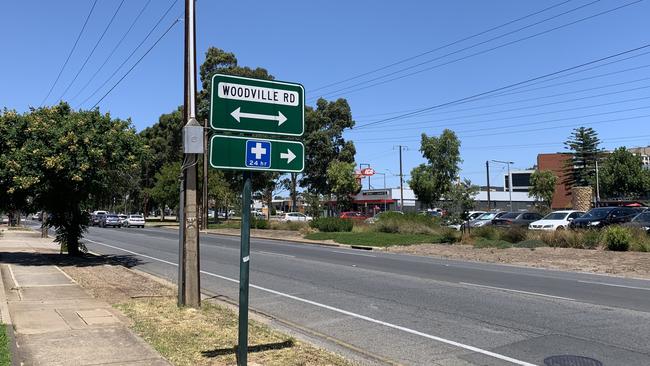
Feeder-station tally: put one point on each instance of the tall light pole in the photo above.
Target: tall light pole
(401, 176)
(487, 171)
(508, 163)
(597, 186)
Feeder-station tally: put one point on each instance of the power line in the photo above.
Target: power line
(473, 54)
(93, 50)
(112, 51)
(439, 48)
(137, 62)
(70, 54)
(131, 54)
(472, 97)
(519, 146)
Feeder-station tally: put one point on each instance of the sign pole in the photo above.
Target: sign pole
(244, 262)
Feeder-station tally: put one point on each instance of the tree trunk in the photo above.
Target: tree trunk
(73, 250)
(44, 227)
(294, 192)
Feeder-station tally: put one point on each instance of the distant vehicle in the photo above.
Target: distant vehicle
(486, 219)
(604, 216)
(111, 220)
(431, 213)
(557, 220)
(97, 217)
(134, 221)
(471, 215)
(37, 216)
(641, 220)
(353, 215)
(374, 219)
(257, 214)
(122, 217)
(295, 216)
(512, 219)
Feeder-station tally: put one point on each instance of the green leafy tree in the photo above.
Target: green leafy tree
(166, 189)
(542, 186)
(583, 145)
(460, 199)
(340, 177)
(63, 158)
(433, 180)
(622, 175)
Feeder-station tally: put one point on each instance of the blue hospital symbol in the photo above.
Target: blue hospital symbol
(258, 154)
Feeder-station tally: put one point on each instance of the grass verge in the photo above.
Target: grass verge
(375, 239)
(208, 336)
(5, 352)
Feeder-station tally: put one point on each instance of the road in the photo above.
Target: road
(413, 310)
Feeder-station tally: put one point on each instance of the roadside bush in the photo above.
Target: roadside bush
(486, 232)
(530, 243)
(448, 235)
(617, 238)
(259, 223)
(288, 225)
(591, 239)
(392, 222)
(640, 240)
(514, 234)
(331, 224)
(482, 242)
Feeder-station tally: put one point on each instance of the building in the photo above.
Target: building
(500, 200)
(557, 163)
(520, 180)
(644, 153)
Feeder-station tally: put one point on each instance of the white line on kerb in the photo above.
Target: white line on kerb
(344, 312)
(615, 285)
(517, 291)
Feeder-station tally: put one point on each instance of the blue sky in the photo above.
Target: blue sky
(320, 43)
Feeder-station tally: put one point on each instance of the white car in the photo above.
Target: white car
(557, 220)
(133, 220)
(295, 216)
(471, 215)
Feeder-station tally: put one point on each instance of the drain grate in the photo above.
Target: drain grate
(569, 360)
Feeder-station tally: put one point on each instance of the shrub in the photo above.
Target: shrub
(640, 240)
(259, 223)
(617, 238)
(331, 224)
(448, 235)
(514, 234)
(530, 243)
(591, 239)
(288, 225)
(392, 222)
(491, 243)
(486, 232)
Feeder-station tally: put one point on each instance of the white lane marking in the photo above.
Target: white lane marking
(13, 276)
(359, 254)
(345, 312)
(517, 291)
(277, 254)
(615, 285)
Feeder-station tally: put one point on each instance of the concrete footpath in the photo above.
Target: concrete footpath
(55, 321)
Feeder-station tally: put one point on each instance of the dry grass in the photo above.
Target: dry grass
(209, 336)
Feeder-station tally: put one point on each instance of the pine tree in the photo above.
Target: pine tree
(583, 144)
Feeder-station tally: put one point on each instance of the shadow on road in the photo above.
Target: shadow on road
(49, 259)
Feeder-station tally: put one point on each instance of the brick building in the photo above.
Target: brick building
(557, 164)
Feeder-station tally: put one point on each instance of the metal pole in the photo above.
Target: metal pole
(487, 170)
(206, 217)
(244, 263)
(401, 181)
(181, 249)
(189, 245)
(510, 187)
(597, 186)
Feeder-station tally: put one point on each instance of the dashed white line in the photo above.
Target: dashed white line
(344, 312)
(615, 285)
(517, 291)
(275, 254)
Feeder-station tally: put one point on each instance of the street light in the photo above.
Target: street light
(509, 178)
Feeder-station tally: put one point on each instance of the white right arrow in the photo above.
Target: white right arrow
(289, 156)
(237, 114)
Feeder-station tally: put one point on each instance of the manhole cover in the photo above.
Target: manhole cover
(568, 360)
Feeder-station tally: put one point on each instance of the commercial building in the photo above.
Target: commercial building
(520, 180)
(557, 163)
(644, 153)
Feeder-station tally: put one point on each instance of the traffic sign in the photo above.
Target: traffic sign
(248, 153)
(257, 106)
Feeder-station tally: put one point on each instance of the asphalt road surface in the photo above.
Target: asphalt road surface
(413, 310)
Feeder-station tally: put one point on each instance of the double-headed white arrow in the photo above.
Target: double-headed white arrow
(289, 156)
(237, 114)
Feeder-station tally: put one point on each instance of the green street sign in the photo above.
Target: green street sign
(248, 153)
(248, 105)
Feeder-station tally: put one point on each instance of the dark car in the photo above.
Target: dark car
(603, 216)
(516, 219)
(641, 220)
(110, 220)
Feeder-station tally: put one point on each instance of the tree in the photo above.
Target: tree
(324, 142)
(340, 177)
(166, 189)
(542, 186)
(583, 144)
(460, 200)
(433, 180)
(622, 175)
(63, 158)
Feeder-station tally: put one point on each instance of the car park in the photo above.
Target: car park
(604, 216)
(486, 219)
(295, 216)
(110, 220)
(374, 219)
(353, 215)
(134, 221)
(557, 220)
(513, 219)
(471, 215)
(641, 221)
(122, 217)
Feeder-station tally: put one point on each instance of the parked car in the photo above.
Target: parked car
(295, 216)
(374, 219)
(486, 219)
(353, 215)
(471, 215)
(641, 220)
(122, 217)
(97, 217)
(557, 220)
(603, 216)
(521, 219)
(133, 221)
(111, 220)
